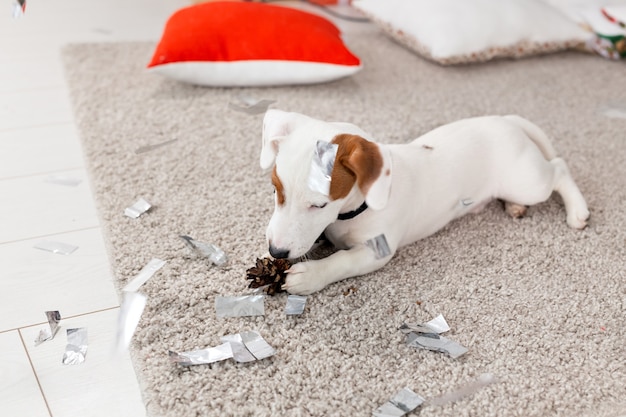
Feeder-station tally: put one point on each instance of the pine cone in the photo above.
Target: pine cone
(269, 273)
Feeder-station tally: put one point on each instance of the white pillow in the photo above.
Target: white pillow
(461, 31)
(256, 73)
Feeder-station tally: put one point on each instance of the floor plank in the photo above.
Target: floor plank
(40, 281)
(103, 385)
(34, 108)
(39, 150)
(19, 391)
(33, 207)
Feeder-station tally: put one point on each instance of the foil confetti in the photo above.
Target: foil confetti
(402, 403)
(295, 305)
(437, 325)
(63, 180)
(436, 343)
(131, 309)
(19, 8)
(144, 275)
(243, 347)
(140, 207)
(257, 345)
(322, 167)
(427, 336)
(206, 250)
(380, 246)
(239, 306)
(614, 110)
(251, 106)
(48, 333)
(56, 247)
(76, 348)
(203, 356)
(148, 148)
(248, 346)
(464, 391)
(240, 352)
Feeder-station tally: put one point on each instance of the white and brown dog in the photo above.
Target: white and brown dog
(405, 192)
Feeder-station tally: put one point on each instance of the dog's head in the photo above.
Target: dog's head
(361, 172)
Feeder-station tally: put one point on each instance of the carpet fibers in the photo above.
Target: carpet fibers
(539, 305)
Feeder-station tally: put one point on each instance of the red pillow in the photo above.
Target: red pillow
(251, 44)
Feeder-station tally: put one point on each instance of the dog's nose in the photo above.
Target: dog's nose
(279, 253)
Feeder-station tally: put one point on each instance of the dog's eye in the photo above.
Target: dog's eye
(319, 206)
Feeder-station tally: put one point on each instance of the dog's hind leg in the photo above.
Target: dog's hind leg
(575, 205)
(532, 181)
(540, 180)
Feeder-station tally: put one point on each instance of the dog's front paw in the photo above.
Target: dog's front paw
(303, 279)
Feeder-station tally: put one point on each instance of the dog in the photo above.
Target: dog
(404, 192)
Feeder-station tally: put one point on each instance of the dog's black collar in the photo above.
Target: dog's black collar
(352, 214)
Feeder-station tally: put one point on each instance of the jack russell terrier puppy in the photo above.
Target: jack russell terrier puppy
(405, 192)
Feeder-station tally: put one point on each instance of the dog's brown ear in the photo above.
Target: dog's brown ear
(365, 164)
(277, 126)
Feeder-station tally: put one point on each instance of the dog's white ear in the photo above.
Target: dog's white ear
(274, 129)
(366, 163)
(277, 125)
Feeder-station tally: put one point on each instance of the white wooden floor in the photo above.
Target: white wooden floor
(38, 139)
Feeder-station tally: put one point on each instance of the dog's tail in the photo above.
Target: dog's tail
(535, 133)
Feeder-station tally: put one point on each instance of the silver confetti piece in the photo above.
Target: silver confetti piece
(251, 106)
(437, 325)
(48, 333)
(400, 404)
(380, 246)
(137, 209)
(102, 31)
(19, 8)
(248, 346)
(56, 247)
(243, 347)
(203, 356)
(322, 167)
(466, 202)
(436, 343)
(239, 306)
(76, 348)
(257, 345)
(240, 352)
(63, 180)
(131, 309)
(614, 110)
(148, 148)
(464, 391)
(427, 336)
(207, 250)
(144, 275)
(295, 305)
